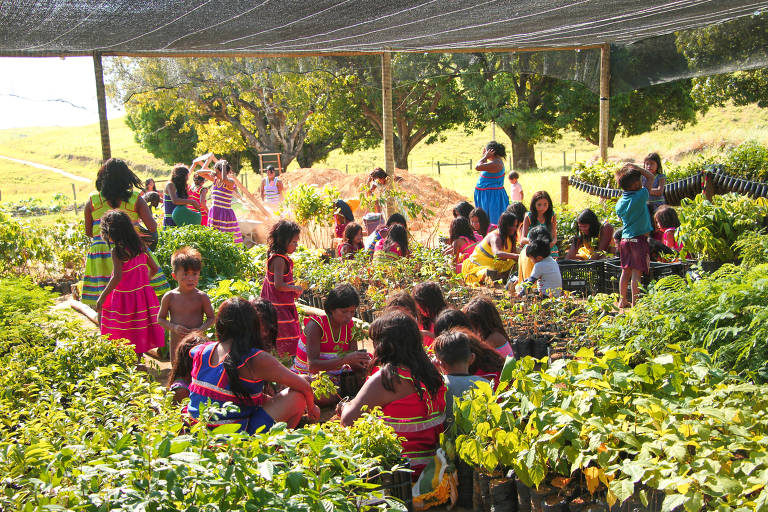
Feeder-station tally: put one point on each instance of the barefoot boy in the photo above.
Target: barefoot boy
(190, 309)
(633, 248)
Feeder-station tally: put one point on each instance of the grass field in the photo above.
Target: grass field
(77, 150)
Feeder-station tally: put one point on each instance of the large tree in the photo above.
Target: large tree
(259, 105)
(426, 101)
(525, 106)
(163, 130)
(631, 113)
(740, 43)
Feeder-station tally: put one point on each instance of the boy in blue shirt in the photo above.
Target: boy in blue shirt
(632, 209)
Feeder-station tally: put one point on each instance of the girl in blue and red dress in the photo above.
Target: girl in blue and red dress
(279, 288)
(490, 194)
(235, 368)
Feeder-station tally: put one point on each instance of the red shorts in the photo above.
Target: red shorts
(635, 253)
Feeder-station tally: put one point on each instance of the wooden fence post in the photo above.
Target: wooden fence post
(564, 189)
(438, 167)
(709, 187)
(74, 197)
(564, 164)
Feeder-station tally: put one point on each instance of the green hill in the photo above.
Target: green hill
(77, 150)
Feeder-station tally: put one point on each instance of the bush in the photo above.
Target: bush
(222, 257)
(21, 295)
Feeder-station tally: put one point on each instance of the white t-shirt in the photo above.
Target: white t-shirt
(548, 278)
(517, 191)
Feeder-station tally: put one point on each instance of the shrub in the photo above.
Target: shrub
(222, 257)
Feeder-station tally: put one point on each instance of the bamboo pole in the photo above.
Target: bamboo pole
(386, 113)
(101, 100)
(254, 201)
(605, 94)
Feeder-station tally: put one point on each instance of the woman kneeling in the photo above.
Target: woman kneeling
(407, 387)
(235, 369)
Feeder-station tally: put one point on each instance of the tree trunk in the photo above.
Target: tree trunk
(401, 160)
(523, 154)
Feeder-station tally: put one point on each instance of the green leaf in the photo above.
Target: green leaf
(267, 470)
(672, 501)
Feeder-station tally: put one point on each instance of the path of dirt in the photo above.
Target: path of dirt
(48, 168)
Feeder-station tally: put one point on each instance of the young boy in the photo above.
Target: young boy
(190, 309)
(517, 189)
(454, 358)
(546, 272)
(633, 248)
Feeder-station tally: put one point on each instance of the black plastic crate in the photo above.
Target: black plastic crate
(612, 274)
(582, 277)
(659, 269)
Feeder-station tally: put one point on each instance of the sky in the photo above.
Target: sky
(49, 92)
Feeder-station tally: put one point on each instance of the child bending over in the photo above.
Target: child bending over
(181, 372)
(546, 272)
(454, 357)
(190, 309)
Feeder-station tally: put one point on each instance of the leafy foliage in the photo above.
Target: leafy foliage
(163, 129)
(709, 229)
(672, 425)
(222, 257)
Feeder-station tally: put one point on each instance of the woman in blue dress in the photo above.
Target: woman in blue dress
(490, 194)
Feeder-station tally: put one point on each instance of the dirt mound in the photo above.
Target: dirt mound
(428, 192)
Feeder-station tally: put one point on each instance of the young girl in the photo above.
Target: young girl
(181, 372)
(278, 287)
(352, 241)
(652, 164)
(589, 228)
(461, 241)
(490, 194)
(267, 314)
(271, 189)
(487, 324)
(667, 221)
(175, 195)
(481, 223)
(128, 305)
(235, 369)
(221, 215)
(496, 253)
(463, 209)
(395, 246)
(541, 212)
(200, 194)
(342, 217)
(429, 303)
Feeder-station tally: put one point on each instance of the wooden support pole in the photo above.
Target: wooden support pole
(564, 189)
(709, 187)
(605, 95)
(101, 100)
(386, 113)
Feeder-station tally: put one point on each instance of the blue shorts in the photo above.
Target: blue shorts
(260, 418)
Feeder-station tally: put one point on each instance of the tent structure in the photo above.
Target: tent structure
(264, 28)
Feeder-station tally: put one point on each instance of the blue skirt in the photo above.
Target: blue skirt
(493, 201)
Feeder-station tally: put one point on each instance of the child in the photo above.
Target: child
(463, 209)
(342, 217)
(221, 216)
(189, 308)
(381, 232)
(481, 223)
(454, 357)
(633, 248)
(267, 314)
(524, 263)
(176, 196)
(542, 213)
(352, 241)
(181, 370)
(652, 164)
(403, 301)
(667, 220)
(517, 188)
(128, 305)
(546, 272)
(278, 287)
(429, 303)
(461, 241)
(486, 322)
(394, 247)
(200, 193)
(271, 188)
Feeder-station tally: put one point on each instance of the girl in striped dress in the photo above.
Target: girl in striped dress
(279, 288)
(393, 247)
(128, 305)
(221, 215)
(407, 387)
(117, 188)
(200, 193)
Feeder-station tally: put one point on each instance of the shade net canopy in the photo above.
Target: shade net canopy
(643, 34)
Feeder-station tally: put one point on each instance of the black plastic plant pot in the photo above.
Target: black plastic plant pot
(763, 190)
(730, 185)
(523, 496)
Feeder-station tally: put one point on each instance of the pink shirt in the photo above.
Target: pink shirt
(517, 191)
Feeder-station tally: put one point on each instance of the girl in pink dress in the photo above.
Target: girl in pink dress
(279, 288)
(128, 305)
